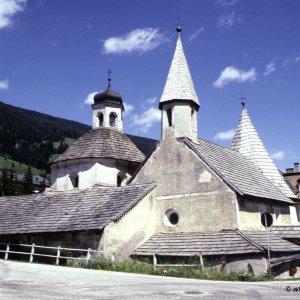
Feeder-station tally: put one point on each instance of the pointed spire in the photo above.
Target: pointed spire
(247, 141)
(179, 84)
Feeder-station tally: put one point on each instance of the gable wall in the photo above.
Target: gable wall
(187, 185)
(121, 238)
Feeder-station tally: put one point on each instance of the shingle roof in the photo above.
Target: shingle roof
(287, 232)
(103, 143)
(238, 171)
(192, 243)
(248, 142)
(276, 243)
(179, 84)
(213, 243)
(68, 211)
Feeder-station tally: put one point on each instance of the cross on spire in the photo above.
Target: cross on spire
(243, 98)
(178, 28)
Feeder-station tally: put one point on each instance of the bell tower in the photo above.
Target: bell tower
(108, 108)
(179, 102)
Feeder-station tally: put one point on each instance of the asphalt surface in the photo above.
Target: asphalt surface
(37, 281)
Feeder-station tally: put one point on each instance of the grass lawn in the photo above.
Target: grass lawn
(20, 168)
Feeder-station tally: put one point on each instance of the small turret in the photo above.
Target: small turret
(179, 102)
(108, 108)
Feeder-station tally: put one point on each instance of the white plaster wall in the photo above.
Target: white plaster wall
(198, 212)
(250, 216)
(183, 123)
(293, 215)
(106, 112)
(90, 172)
(121, 238)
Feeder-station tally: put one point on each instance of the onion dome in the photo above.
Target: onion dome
(109, 97)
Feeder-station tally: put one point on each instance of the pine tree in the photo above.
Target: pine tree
(28, 183)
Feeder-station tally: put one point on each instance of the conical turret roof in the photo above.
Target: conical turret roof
(179, 84)
(247, 141)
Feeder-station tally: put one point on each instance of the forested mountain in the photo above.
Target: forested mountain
(29, 137)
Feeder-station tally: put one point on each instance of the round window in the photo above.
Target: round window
(171, 217)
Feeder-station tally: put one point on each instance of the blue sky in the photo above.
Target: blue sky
(55, 53)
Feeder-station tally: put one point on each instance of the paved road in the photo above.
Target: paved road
(36, 281)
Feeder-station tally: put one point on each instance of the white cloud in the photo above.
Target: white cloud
(279, 155)
(128, 108)
(147, 119)
(228, 20)
(297, 58)
(90, 98)
(225, 135)
(286, 61)
(196, 34)
(226, 2)
(231, 73)
(4, 84)
(151, 100)
(140, 40)
(8, 8)
(270, 68)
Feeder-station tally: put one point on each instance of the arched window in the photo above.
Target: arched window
(169, 116)
(112, 119)
(101, 119)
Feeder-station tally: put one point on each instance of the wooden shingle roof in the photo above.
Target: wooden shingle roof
(276, 243)
(247, 141)
(227, 242)
(238, 171)
(103, 143)
(193, 243)
(179, 84)
(287, 232)
(74, 210)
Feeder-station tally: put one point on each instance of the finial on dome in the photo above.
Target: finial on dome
(109, 75)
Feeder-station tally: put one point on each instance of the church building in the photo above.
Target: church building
(168, 200)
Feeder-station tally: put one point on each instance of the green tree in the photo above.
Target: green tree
(28, 184)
